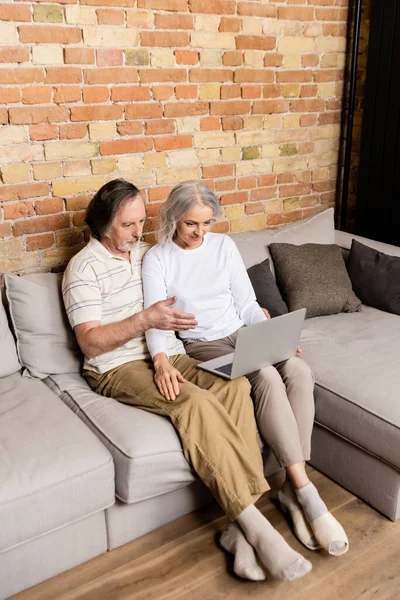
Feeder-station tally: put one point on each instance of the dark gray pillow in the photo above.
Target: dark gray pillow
(375, 277)
(265, 288)
(314, 276)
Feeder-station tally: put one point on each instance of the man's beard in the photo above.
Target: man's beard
(129, 245)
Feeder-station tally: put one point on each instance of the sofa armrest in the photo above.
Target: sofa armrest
(344, 239)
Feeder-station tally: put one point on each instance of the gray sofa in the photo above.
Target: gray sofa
(81, 474)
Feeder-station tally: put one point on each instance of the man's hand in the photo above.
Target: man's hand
(161, 316)
(266, 313)
(167, 378)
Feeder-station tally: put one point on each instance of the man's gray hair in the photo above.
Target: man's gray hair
(182, 198)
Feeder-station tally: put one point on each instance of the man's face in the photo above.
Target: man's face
(127, 227)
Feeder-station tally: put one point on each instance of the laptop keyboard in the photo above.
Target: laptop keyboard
(226, 369)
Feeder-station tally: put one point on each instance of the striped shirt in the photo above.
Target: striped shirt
(99, 286)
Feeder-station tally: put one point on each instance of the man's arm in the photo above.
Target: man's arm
(95, 339)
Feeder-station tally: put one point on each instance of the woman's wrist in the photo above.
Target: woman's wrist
(160, 359)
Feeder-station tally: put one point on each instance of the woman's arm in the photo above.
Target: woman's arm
(154, 289)
(242, 291)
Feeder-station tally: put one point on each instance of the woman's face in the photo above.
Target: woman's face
(193, 226)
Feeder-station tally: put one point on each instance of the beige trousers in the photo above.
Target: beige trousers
(283, 398)
(213, 417)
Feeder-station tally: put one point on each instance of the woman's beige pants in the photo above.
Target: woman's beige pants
(283, 398)
(214, 419)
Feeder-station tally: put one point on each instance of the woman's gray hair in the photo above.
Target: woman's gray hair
(182, 198)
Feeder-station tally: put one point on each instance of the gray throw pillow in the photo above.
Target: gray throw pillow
(314, 276)
(265, 288)
(375, 277)
(8, 354)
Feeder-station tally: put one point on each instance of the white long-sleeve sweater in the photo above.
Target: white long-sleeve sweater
(210, 282)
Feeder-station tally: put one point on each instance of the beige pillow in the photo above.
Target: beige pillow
(46, 343)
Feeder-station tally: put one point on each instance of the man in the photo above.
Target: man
(214, 418)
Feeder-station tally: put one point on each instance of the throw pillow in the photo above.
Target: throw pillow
(45, 341)
(375, 277)
(314, 276)
(266, 291)
(9, 360)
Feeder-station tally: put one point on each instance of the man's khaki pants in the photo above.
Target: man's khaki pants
(215, 421)
(283, 398)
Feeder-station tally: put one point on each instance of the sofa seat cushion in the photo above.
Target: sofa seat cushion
(356, 361)
(146, 449)
(53, 470)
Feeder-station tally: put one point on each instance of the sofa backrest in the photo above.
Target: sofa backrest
(9, 362)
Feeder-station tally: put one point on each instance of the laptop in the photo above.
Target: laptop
(260, 345)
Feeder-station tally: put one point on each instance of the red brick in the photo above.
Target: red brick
(298, 189)
(143, 111)
(107, 16)
(334, 104)
(67, 93)
(310, 60)
(93, 95)
(253, 76)
(316, 105)
(160, 127)
(329, 118)
(130, 93)
(49, 206)
(36, 95)
(210, 124)
(78, 56)
(162, 75)
(164, 39)
(78, 202)
(256, 9)
(127, 3)
(308, 120)
(249, 92)
(232, 123)
(232, 59)
(235, 198)
(111, 75)
(172, 5)
(185, 109)
(219, 7)
(214, 171)
(38, 114)
(22, 191)
(255, 42)
(230, 91)
(39, 133)
(109, 57)
(21, 75)
(49, 34)
(233, 107)
(286, 178)
(5, 230)
(225, 185)
(41, 224)
(300, 76)
(9, 95)
(310, 200)
(221, 227)
(186, 57)
(273, 60)
(18, 210)
(125, 146)
(305, 148)
(324, 186)
(210, 75)
(11, 12)
(159, 193)
(78, 218)
(73, 131)
(39, 242)
(308, 91)
(229, 24)
(265, 193)
(130, 128)
(329, 75)
(285, 217)
(64, 75)
(162, 92)
(173, 142)
(173, 22)
(272, 91)
(334, 29)
(296, 13)
(3, 116)
(254, 208)
(245, 183)
(96, 113)
(266, 180)
(15, 54)
(331, 14)
(187, 92)
(270, 106)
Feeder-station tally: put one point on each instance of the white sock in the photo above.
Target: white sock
(275, 554)
(287, 498)
(245, 565)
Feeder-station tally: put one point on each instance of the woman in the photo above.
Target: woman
(207, 275)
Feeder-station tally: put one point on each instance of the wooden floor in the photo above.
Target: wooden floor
(183, 561)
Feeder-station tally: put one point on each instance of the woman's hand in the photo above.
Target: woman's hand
(266, 313)
(298, 351)
(167, 378)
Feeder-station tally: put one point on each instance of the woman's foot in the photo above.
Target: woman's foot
(275, 554)
(245, 565)
(289, 504)
(327, 531)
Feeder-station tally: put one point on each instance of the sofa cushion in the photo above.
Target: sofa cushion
(267, 292)
(53, 470)
(45, 342)
(146, 449)
(355, 358)
(314, 276)
(375, 277)
(9, 360)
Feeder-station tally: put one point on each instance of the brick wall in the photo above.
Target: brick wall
(244, 94)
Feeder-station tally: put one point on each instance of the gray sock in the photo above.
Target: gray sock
(311, 502)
